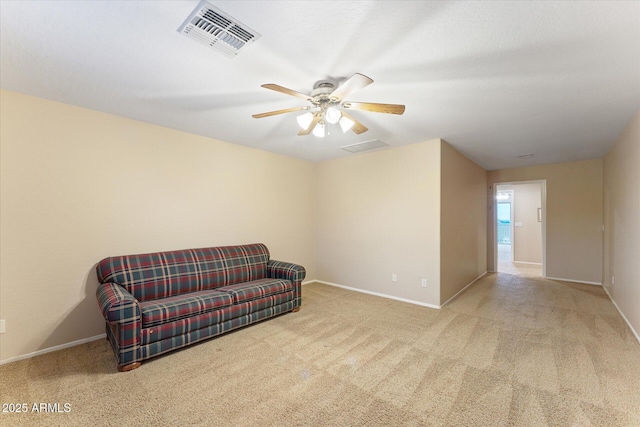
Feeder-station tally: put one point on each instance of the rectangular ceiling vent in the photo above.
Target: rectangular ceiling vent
(209, 25)
(364, 146)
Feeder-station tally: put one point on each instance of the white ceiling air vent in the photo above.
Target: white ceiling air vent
(214, 28)
(364, 146)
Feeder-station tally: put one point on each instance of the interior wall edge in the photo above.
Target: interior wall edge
(633, 331)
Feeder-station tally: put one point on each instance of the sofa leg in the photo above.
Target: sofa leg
(129, 367)
(295, 310)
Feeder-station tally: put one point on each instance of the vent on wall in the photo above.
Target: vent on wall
(364, 146)
(209, 25)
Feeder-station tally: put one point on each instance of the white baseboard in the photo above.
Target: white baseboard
(633, 331)
(574, 281)
(463, 289)
(410, 301)
(54, 348)
(525, 262)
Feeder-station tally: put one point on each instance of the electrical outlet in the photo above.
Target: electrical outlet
(2, 326)
(424, 283)
(394, 277)
(613, 280)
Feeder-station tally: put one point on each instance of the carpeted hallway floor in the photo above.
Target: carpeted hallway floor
(510, 351)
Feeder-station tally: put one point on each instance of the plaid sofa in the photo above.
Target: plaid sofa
(157, 302)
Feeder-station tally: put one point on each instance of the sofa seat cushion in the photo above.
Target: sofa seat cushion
(255, 289)
(159, 311)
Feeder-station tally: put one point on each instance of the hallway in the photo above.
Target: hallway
(505, 265)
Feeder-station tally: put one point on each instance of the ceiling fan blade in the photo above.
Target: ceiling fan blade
(286, 91)
(351, 85)
(376, 108)
(273, 113)
(314, 122)
(357, 126)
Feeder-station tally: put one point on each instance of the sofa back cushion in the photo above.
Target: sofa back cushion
(164, 274)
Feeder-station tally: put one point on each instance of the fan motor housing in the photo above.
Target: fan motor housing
(323, 87)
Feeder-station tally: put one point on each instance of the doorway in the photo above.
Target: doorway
(504, 224)
(520, 228)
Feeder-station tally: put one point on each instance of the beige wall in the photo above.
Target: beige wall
(622, 223)
(78, 185)
(574, 217)
(463, 230)
(378, 215)
(527, 239)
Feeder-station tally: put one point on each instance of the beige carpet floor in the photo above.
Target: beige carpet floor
(510, 351)
(520, 269)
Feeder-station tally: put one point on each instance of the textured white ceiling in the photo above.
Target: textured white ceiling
(496, 80)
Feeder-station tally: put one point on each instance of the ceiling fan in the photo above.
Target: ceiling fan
(328, 106)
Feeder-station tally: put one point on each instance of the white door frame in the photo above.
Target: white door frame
(543, 189)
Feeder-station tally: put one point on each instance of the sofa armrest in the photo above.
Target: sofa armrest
(286, 270)
(117, 304)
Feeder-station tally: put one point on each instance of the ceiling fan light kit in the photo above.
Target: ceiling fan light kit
(332, 115)
(328, 106)
(318, 130)
(346, 123)
(305, 120)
